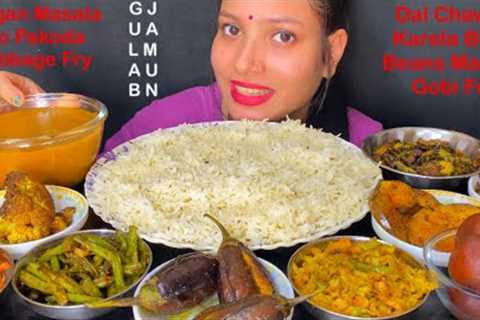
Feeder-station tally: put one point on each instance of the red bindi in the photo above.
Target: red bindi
(250, 17)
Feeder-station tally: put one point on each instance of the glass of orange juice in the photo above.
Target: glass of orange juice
(53, 137)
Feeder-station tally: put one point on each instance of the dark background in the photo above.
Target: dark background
(187, 26)
(387, 97)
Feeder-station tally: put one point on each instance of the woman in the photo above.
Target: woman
(271, 59)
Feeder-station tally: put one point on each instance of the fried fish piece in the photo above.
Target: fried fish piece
(28, 210)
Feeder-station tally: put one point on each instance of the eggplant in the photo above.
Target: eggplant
(182, 284)
(240, 274)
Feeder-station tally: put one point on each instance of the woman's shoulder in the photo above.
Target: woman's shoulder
(196, 104)
(193, 105)
(360, 126)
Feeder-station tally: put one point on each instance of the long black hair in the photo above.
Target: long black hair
(327, 110)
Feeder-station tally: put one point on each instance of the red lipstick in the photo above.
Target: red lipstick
(250, 99)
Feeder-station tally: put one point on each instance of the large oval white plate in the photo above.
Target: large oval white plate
(165, 239)
(62, 198)
(445, 197)
(280, 282)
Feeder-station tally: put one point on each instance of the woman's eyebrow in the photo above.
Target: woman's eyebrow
(228, 15)
(280, 20)
(277, 20)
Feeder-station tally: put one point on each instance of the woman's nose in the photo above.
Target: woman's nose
(250, 59)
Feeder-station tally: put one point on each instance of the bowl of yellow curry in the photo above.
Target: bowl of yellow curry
(54, 137)
(355, 277)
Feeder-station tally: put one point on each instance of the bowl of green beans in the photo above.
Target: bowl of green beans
(59, 278)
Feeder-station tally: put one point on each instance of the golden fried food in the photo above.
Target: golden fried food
(428, 222)
(393, 200)
(62, 219)
(360, 278)
(28, 211)
(400, 194)
(425, 199)
(425, 157)
(415, 215)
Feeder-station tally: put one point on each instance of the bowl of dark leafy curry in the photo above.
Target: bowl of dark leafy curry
(59, 278)
(426, 158)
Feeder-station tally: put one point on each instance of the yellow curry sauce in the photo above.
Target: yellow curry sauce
(360, 278)
(63, 163)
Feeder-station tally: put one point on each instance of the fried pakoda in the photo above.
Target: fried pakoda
(415, 215)
(425, 199)
(28, 212)
(428, 222)
(395, 202)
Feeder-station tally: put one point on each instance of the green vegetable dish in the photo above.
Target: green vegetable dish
(85, 268)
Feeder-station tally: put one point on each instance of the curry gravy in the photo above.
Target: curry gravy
(63, 162)
(29, 123)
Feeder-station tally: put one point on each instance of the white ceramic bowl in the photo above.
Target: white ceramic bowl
(472, 183)
(280, 282)
(445, 197)
(62, 197)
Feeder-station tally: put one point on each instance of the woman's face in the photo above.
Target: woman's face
(267, 58)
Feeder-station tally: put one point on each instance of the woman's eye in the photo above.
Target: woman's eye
(231, 30)
(284, 37)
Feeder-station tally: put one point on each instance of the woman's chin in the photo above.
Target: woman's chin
(248, 113)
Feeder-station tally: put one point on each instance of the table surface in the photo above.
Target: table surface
(11, 307)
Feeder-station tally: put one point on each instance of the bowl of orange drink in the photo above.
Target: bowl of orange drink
(54, 137)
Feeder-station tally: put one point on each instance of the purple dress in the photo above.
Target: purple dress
(203, 104)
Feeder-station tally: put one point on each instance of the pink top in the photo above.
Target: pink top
(203, 104)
